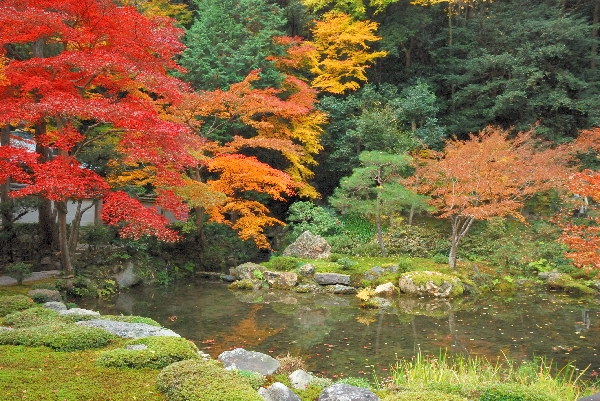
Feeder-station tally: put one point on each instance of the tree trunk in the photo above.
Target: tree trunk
(65, 255)
(75, 224)
(595, 20)
(378, 225)
(6, 215)
(460, 228)
(199, 213)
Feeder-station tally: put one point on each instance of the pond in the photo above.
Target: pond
(338, 338)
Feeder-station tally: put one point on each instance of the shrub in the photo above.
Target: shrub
(131, 319)
(410, 240)
(41, 296)
(201, 380)
(19, 271)
(14, 303)
(30, 317)
(255, 379)
(160, 352)
(284, 263)
(423, 395)
(245, 284)
(289, 364)
(60, 337)
(305, 216)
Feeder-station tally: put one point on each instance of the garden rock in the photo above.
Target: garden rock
(306, 270)
(246, 270)
(253, 361)
(278, 392)
(127, 278)
(593, 397)
(332, 278)
(300, 379)
(421, 283)
(341, 289)
(78, 312)
(228, 278)
(309, 246)
(346, 392)
(281, 279)
(374, 273)
(47, 295)
(129, 330)
(57, 306)
(386, 289)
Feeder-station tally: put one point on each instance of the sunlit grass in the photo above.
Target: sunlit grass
(474, 376)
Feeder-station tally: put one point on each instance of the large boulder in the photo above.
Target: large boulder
(281, 279)
(332, 278)
(278, 392)
(253, 361)
(129, 330)
(308, 246)
(246, 270)
(431, 283)
(346, 392)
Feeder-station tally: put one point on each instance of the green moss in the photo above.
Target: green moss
(42, 374)
(422, 396)
(60, 337)
(31, 317)
(245, 284)
(132, 319)
(14, 303)
(564, 282)
(509, 392)
(421, 278)
(200, 380)
(160, 352)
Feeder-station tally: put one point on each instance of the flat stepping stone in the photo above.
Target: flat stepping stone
(253, 361)
(129, 330)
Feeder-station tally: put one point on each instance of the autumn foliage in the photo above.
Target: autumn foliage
(489, 175)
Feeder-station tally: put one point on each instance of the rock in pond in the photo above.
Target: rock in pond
(278, 392)
(332, 278)
(346, 392)
(127, 278)
(246, 270)
(420, 283)
(253, 361)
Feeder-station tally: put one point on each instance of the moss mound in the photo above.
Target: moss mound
(30, 317)
(131, 319)
(14, 303)
(507, 392)
(59, 336)
(200, 380)
(160, 352)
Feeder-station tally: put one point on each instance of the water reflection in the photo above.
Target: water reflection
(335, 336)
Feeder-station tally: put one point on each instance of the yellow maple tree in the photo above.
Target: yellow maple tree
(342, 52)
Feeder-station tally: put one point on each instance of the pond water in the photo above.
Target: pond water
(336, 337)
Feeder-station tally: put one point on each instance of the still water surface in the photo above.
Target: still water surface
(335, 336)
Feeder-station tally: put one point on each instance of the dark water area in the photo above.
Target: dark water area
(336, 337)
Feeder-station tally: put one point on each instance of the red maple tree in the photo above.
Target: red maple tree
(74, 66)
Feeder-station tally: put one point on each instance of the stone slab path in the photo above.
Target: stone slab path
(7, 280)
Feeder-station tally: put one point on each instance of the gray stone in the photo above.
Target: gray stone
(136, 347)
(332, 278)
(341, 289)
(127, 278)
(271, 277)
(228, 278)
(286, 280)
(79, 312)
(129, 330)
(374, 273)
(346, 392)
(57, 306)
(253, 361)
(300, 379)
(306, 270)
(48, 295)
(386, 289)
(278, 392)
(593, 397)
(246, 270)
(309, 246)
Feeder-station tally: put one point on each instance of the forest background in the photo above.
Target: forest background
(271, 104)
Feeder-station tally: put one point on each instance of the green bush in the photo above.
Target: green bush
(255, 379)
(303, 216)
(283, 263)
(14, 303)
(410, 240)
(41, 296)
(506, 392)
(131, 319)
(60, 337)
(19, 271)
(423, 395)
(200, 380)
(160, 352)
(30, 317)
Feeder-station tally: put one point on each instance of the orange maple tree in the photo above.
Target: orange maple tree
(489, 175)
